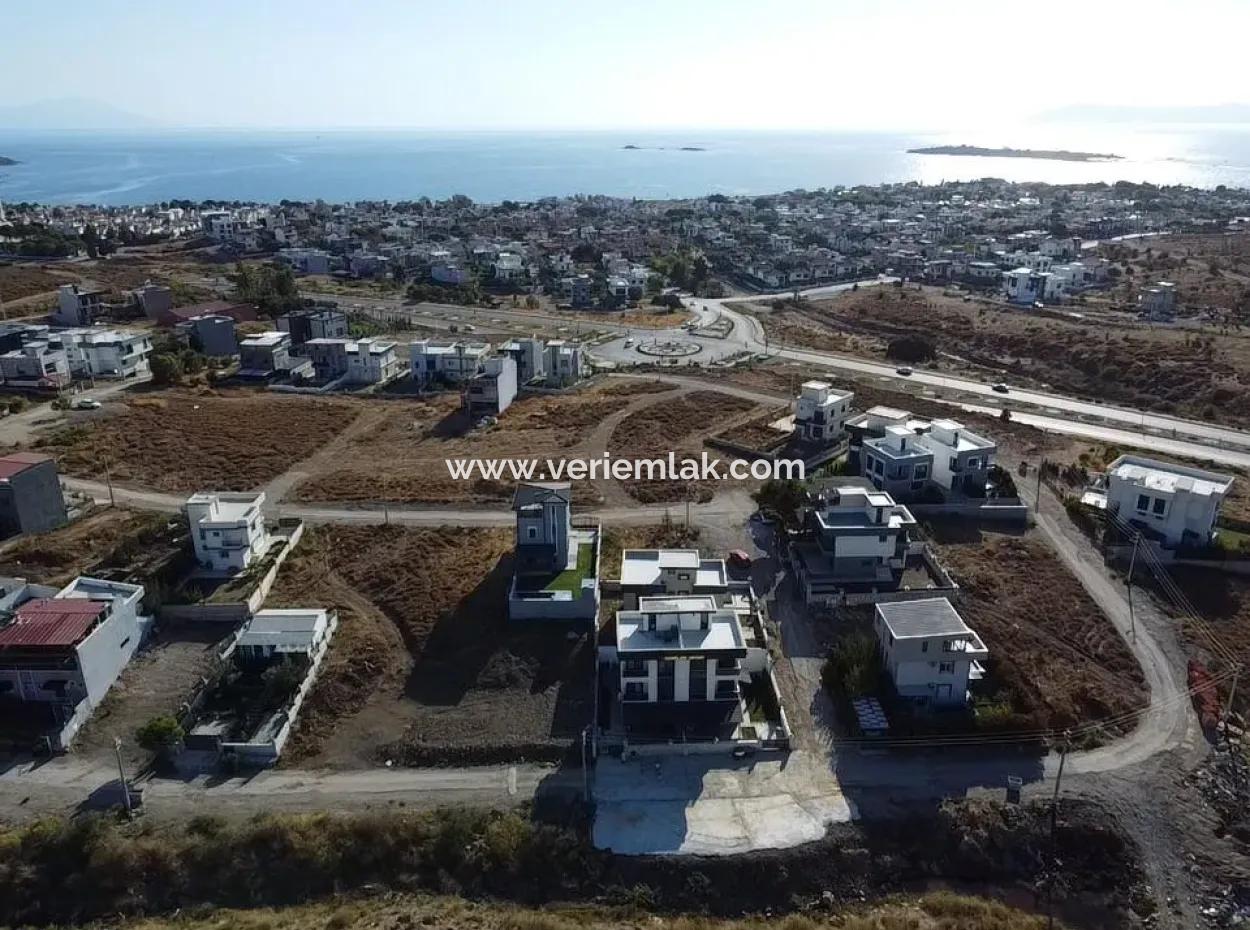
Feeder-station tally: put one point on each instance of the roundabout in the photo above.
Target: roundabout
(669, 348)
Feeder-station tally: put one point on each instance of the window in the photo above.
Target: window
(1143, 503)
(924, 647)
(532, 531)
(974, 462)
(683, 576)
(636, 691)
(634, 668)
(881, 539)
(946, 668)
(922, 471)
(1160, 505)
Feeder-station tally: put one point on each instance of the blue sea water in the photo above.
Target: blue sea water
(130, 168)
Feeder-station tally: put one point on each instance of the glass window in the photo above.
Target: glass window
(946, 668)
(1160, 505)
(1143, 502)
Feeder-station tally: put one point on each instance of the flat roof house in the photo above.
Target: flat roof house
(860, 538)
(451, 362)
(61, 651)
(672, 572)
(282, 634)
(961, 458)
(679, 663)
(820, 411)
(492, 390)
(227, 529)
(1174, 504)
(31, 500)
(898, 462)
(929, 652)
(557, 560)
(77, 306)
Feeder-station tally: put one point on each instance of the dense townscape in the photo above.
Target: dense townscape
(998, 604)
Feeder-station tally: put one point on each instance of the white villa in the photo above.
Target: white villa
(1175, 504)
(557, 564)
(820, 411)
(928, 650)
(227, 529)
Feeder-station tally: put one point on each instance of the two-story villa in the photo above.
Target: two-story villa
(557, 562)
(820, 411)
(928, 650)
(227, 529)
(1176, 504)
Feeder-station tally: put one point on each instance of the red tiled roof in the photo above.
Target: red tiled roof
(17, 462)
(51, 622)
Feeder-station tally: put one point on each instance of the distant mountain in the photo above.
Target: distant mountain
(71, 113)
(1219, 113)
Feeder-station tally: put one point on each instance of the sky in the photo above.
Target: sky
(559, 64)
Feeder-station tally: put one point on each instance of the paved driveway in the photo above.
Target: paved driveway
(714, 805)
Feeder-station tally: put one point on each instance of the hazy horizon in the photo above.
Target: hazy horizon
(554, 66)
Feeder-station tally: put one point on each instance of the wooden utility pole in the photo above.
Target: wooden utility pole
(121, 771)
(1054, 817)
(1132, 564)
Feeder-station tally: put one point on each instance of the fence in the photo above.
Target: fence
(1013, 512)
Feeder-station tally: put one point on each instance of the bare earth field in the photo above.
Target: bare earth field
(60, 555)
(402, 457)
(183, 441)
(679, 425)
(1211, 273)
(425, 668)
(1165, 369)
(1053, 652)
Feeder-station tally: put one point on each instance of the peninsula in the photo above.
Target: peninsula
(4, 161)
(1050, 154)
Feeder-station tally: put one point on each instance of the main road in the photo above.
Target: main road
(748, 332)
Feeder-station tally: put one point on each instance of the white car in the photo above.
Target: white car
(87, 403)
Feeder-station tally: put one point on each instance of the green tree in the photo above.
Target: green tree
(784, 498)
(160, 733)
(166, 368)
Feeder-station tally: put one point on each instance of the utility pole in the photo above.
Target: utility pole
(1054, 816)
(108, 480)
(585, 766)
(1040, 466)
(1132, 564)
(121, 771)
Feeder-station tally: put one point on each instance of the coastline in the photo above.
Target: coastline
(977, 151)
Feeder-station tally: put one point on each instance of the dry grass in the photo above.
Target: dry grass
(679, 426)
(402, 458)
(1211, 272)
(60, 555)
(633, 387)
(1053, 652)
(425, 666)
(758, 433)
(181, 441)
(20, 281)
(1162, 369)
(937, 911)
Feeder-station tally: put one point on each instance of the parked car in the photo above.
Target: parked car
(904, 371)
(1000, 388)
(739, 559)
(87, 403)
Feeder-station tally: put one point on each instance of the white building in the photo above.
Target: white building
(106, 353)
(673, 572)
(37, 364)
(820, 411)
(451, 362)
(77, 306)
(679, 649)
(1176, 504)
(371, 361)
(861, 535)
(556, 560)
(565, 362)
(227, 529)
(929, 652)
(961, 458)
(283, 634)
(492, 390)
(63, 650)
(531, 358)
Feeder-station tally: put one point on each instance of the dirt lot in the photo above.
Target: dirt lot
(425, 668)
(20, 281)
(58, 556)
(1223, 602)
(185, 441)
(1164, 369)
(679, 425)
(402, 457)
(157, 681)
(758, 433)
(633, 387)
(1053, 653)
(1211, 274)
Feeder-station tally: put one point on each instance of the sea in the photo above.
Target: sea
(121, 168)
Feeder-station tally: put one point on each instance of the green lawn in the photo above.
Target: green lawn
(571, 578)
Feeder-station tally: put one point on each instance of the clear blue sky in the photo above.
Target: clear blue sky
(649, 63)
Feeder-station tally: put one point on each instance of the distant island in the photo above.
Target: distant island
(8, 161)
(663, 148)
(1051, 154)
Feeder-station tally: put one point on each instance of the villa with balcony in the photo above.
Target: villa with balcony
(556, 557)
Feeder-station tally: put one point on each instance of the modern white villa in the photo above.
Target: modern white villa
(820, 412)
(1174, 504)
(227, 529)
(557, 559)
(929, 652)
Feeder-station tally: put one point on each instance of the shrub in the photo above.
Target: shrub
(159, 733)
(911, 349)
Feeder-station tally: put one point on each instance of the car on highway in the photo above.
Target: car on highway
(87, 403)
(904, 371)
(1000, 387)
(629, 342)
